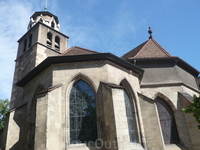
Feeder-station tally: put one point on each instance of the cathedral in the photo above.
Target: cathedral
(78, 99)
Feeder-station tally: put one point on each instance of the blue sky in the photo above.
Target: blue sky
(114, 26)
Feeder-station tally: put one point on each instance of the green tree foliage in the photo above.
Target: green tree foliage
(4, 108)
(195, 109)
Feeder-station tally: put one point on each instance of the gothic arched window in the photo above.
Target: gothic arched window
(167, 122)
(131, 119)
(82, 113)
(57, 43)
(49, 39)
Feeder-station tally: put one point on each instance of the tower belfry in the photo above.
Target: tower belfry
(42, 39)
(46, 18)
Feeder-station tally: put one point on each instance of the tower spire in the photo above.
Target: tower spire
(46, 6)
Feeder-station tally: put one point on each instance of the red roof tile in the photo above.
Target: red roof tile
(148, 49)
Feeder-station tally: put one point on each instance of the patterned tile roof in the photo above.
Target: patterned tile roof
(75, 50)
(134, 51)
(148, 49)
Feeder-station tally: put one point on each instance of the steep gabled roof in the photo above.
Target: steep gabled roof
(75, 50)
(148, 49)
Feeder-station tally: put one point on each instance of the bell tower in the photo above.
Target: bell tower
(42, 39)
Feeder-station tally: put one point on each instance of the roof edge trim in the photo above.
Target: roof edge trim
(73, 58)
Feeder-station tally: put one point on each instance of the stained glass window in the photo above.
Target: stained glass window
(130, 118)
(167, 122)
(82, 113)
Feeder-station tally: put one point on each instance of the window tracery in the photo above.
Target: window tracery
(82, 113)
(167, 122)
(130, 114)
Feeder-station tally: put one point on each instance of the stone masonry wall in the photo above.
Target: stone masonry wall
(170, 94)
(151, 124)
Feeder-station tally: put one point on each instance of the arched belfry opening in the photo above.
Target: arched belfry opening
(57, 43)
(167, 122)
(83, 127)
(49, 39)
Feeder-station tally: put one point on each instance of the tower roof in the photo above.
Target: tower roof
(44, 13)
(46, 18)
(148, 49)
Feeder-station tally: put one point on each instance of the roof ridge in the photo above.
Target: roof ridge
(141, 49)
(134, 49)
(157, 44)
(155, 57)
(66, 51)
(168, 54)
(86, 49)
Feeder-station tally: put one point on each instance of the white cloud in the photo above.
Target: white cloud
(85, 30)
(14, 17)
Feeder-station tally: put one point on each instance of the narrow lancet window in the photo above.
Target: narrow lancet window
(167, 122)
(30, 41)
(131, 119)
(82, 113)
(25, 44)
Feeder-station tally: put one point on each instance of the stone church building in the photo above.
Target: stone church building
(78, 99)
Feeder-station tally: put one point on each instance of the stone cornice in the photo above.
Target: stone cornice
(151, 85)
